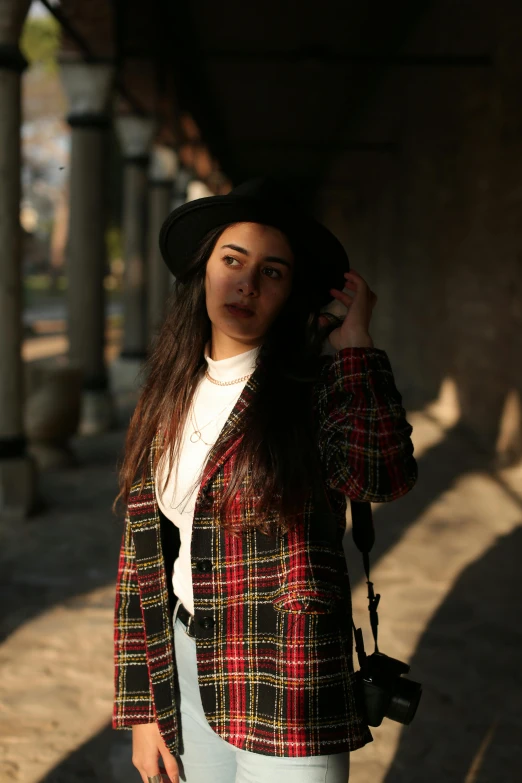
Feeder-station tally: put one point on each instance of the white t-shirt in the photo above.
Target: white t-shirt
(211, 407)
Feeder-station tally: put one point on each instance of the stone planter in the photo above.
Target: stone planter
(52, 410)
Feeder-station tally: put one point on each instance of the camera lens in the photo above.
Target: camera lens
(404, 702)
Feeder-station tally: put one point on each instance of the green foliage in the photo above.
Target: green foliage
(37, 282)
(113, 241)
(40, 41)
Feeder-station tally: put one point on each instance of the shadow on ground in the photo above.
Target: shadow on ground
(70, 548)
(468, 709)
(106, 758)
(468, 727)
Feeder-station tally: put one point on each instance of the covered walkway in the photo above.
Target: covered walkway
(446, 562)
(401, 125)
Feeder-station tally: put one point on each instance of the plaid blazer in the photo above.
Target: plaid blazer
(272, 615)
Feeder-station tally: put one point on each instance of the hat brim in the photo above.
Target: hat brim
(315, 246)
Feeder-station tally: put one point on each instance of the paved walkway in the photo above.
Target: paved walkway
(447, 562)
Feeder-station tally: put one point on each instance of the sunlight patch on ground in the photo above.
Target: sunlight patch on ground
(417, 575)
(56, 685)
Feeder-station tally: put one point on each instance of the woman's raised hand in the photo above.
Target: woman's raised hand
(151, 756)
(354, 331)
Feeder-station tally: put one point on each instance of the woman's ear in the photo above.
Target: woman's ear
(330, 320)
(323, 320)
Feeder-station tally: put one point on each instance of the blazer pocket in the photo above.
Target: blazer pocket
(303, 601)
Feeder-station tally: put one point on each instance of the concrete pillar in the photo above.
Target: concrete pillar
(179, 194)
(136, 135)
(162, 172)
(88, 87)
(197, 189)
(17, 469)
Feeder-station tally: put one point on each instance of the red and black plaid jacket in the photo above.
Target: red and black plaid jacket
(272, 615)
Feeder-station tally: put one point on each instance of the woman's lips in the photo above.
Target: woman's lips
(237, 311)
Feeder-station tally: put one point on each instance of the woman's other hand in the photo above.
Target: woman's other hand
(150, 755)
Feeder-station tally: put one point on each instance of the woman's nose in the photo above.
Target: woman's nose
(247, 285)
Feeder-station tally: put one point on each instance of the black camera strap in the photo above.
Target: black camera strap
(363, 534)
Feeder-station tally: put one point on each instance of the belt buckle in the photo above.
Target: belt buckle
(190, 625)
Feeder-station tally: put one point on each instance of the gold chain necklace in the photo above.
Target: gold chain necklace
(227, 383)
(197, 431)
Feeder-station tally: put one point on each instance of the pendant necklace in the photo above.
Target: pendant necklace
(197, 431)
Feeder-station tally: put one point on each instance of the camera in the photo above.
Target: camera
(385, 692)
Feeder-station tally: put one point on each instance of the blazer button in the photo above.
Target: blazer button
(207, 622)
(205, 565)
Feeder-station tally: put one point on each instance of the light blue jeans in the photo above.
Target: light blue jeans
(209, 758)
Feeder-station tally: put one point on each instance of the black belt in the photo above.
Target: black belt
(187, 619)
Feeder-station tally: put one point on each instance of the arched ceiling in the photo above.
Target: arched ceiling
(275, 86)
(248, 88)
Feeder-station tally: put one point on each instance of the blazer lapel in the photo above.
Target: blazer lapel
(228, 440)
(230, 437)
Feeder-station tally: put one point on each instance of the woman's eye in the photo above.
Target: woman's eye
(226, 259)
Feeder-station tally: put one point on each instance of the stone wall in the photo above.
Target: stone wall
(432, 216)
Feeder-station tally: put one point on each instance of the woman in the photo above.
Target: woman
(233, 646)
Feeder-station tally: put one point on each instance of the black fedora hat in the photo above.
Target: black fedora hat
(262, 200)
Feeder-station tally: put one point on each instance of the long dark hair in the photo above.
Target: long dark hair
(276, 460)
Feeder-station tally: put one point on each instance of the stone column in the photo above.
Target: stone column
(162, 172)
(179, 195)
(136, 135)
(88, 87)
(17, 469)
(197, 189)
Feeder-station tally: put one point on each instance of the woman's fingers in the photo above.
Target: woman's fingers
(355, 280)
(151, 756)
(169, 765)
(345, 298)
(167, 773)
(348, 298)
(145, 775)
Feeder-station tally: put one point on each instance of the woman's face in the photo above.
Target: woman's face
(251, 265)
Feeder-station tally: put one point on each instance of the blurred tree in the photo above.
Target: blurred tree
(40, 42)
(113, 241)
